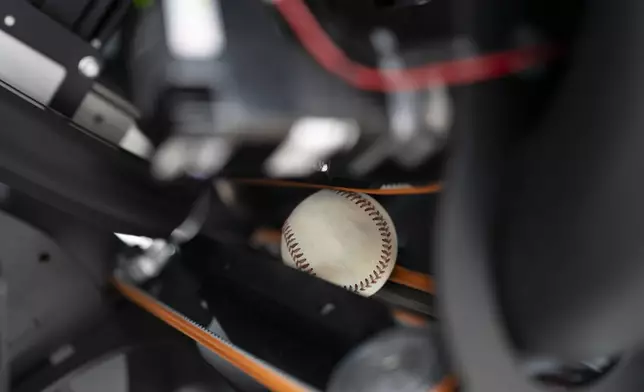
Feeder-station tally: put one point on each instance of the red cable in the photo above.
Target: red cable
(464, 71)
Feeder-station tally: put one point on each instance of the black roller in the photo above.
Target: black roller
(538, 240)
(571, 270)
(484, 355)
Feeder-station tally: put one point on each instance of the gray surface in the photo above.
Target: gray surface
(50, 295)
(28, 70)
(108, 374)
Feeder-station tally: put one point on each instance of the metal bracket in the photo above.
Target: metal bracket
(153, 260)
(49, 38)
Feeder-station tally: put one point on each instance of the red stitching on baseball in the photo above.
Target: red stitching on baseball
(385, 237)
(295, 251)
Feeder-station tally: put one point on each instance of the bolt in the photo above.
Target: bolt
(89, 67)
(9, 20)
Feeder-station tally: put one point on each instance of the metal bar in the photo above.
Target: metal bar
(78, 174)
(67, 12)
(48, 37)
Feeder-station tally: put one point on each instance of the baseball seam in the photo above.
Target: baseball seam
(386, 240)
(295, 251)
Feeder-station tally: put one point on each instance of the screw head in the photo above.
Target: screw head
(89, 67)
(9, 20)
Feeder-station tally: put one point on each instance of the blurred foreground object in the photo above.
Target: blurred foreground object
(402, 359)
(221, 111)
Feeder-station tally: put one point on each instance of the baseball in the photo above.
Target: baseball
(342, 237)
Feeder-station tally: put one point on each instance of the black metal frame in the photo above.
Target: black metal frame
(279, 314)
(53, 40)
(90, 19)
(162, 356)
(511, 289)
(42, 155)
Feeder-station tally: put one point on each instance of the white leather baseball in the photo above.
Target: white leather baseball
(342, 237)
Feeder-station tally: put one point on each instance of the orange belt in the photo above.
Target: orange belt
(262, 372)
(265, 374)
